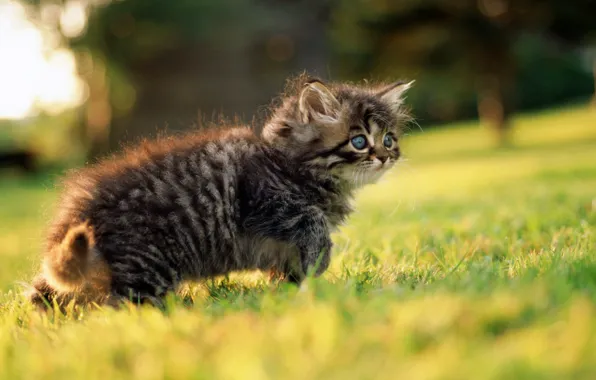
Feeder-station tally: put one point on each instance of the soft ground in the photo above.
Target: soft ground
(466, 262)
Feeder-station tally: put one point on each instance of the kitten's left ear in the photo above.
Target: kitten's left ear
(318, 102)
(393, 94)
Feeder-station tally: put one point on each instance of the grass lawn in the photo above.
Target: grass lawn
(467, 262)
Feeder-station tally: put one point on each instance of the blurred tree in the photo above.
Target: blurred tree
(549, 74)
(473, 40)
(155, 63)
(151, 64)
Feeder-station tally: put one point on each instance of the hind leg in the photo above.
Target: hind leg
(135, 284)
(117, 300)
(43, 296)
(131, 295)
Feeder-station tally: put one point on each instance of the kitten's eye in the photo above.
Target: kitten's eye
(388, 140)
(359, 142)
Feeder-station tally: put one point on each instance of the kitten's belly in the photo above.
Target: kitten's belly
(265, 253)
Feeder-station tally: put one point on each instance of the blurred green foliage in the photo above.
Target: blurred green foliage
(549, 75)
(153, 63)
(520, 54)
(447, 46)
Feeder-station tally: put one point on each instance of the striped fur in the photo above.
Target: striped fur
(209, 203)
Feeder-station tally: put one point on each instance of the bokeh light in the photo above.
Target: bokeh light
(35, 75)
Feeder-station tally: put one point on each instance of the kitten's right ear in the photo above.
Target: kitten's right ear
(393, 94)
(316, 102)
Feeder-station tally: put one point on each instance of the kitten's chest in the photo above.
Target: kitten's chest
(336, 212)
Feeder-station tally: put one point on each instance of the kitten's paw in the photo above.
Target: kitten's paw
(323, 264)
(317, 264)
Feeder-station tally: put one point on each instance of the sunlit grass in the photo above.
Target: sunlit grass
(467, 262)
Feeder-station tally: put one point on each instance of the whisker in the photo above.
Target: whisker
(415, 122)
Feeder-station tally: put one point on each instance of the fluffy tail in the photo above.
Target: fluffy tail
(66, 265)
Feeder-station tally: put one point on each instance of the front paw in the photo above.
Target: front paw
(317, 260)
(323, 264)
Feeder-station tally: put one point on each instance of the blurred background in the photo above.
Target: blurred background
(78, 78)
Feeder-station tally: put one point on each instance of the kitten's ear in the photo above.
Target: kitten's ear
(393, 94)
(317, 102)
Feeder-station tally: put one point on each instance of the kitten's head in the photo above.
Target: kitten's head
(350, 131)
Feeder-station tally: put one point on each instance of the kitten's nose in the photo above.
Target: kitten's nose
(383, 159)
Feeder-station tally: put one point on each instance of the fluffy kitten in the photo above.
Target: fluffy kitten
(205, 204)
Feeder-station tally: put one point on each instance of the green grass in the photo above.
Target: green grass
(467, 262)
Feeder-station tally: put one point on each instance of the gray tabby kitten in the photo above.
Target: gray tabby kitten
(202, 205)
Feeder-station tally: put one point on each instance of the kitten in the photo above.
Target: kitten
(202, 205)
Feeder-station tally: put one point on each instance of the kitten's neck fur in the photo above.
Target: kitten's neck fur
(328, 191)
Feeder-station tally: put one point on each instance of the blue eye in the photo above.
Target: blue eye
(388, 140)
(359, 142)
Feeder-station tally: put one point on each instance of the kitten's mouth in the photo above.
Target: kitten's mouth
(382, 167)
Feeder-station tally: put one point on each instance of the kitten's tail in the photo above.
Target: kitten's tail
(66, 264)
